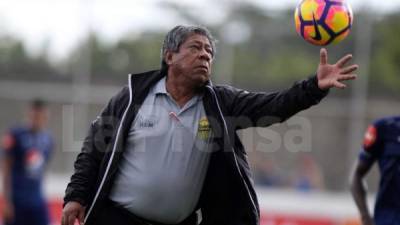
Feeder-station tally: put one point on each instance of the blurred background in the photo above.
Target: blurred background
(77, 54)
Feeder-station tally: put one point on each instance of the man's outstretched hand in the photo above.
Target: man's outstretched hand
(332, 75)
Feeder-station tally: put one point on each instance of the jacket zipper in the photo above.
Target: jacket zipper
(113, 151)
(234, 154)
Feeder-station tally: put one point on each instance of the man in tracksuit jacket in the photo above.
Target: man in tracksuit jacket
(107, 187)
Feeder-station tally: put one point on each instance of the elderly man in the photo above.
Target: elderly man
(165, 150)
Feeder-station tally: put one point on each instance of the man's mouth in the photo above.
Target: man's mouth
(203, 67)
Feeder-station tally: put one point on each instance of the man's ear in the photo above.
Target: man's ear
(168, 58)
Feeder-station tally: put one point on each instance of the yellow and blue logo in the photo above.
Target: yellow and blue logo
(204, 130)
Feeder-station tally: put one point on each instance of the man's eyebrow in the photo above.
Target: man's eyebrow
(199, 42)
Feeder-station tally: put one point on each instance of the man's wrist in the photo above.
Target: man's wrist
(78, 200)
(314, 87)
(366, 217)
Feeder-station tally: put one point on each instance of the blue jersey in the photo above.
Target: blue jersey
(382, 144)
(29, 152)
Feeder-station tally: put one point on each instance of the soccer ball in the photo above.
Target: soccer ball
(322, 22)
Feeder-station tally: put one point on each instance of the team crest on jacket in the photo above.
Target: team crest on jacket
(34, 162)
(203, 132)
(370, 136)
(7, 142)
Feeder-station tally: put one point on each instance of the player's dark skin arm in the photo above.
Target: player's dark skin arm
(358, 190)
(8, 211)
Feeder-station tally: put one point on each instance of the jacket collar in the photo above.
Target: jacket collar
(142, 82)
(160, 87)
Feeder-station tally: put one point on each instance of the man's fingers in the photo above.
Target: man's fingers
(323, 56)
(349, 69)
(347, 77)
(81, 216)
(339, 85)
(71, 220)
(64, 219)
(344, 60)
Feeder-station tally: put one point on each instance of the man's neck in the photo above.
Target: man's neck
(180, 90)
(35, 129)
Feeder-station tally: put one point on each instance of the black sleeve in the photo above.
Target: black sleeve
(257, 109)
(86, 167)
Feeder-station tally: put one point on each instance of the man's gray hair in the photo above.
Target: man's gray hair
(178, 35)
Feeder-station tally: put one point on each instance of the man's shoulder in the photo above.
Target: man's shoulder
(121, 98)
(387, 123)
(144, 74)
(18, 129)
(124, 91)
(139, 78)
(227, 89)
(384, 121)
(14, 134)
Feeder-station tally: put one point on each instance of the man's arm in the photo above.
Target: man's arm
(333, 75)
(82, 186)
(263, 109)
(86, 169)
(257, 109)
(358, 189)
(87, 163)
(7, 162)
(8, 212)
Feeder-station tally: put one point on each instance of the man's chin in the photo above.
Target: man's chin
(203, 79)
(199, 79)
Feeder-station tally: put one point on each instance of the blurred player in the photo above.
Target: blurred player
(26, 151)
(381, 144)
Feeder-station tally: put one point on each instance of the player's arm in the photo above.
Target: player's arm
(372, 149)
(359, 189)
(7, 146)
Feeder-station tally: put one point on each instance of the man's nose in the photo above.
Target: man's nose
(204, 54)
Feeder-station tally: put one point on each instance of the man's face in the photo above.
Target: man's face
(38, 117)
(193, 60)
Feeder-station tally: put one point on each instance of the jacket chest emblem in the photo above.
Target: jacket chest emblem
(147, 122)
(204, 130)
